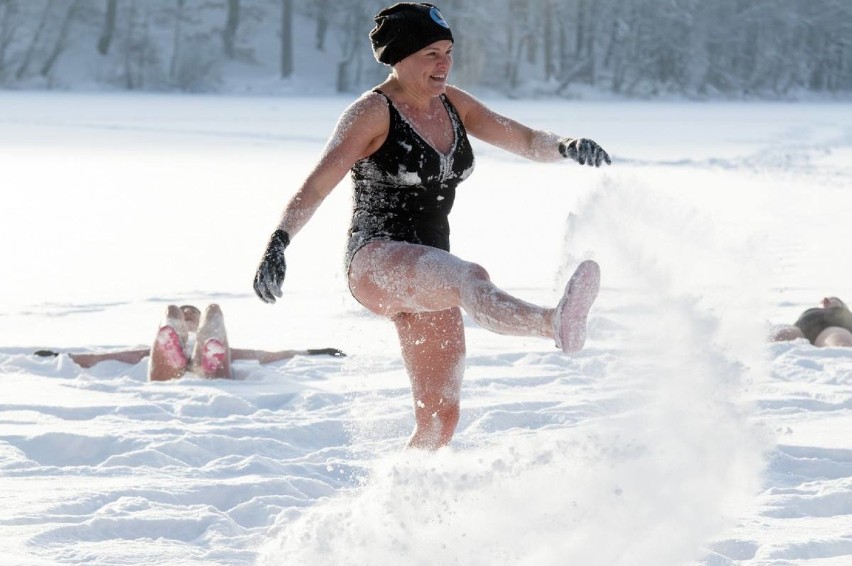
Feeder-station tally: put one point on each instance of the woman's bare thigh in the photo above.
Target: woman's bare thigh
(393, 277)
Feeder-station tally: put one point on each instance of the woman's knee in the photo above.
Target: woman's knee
(475, 272)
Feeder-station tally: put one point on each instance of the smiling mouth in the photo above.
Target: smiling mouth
(438, 77)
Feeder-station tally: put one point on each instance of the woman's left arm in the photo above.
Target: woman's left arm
(538, 145)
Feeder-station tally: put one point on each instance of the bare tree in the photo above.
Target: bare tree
(108, 29)
(549, 39)
(351, 70)
(34, 41)
(516, 32)
(142, 68)
(286, 38)
(350, 50)
(728, 47)
(176, 40)
(8, 13)
(322, 15)
(130, 49)
(232, 22)
(61, 39)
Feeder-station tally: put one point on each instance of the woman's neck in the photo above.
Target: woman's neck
(409, 96)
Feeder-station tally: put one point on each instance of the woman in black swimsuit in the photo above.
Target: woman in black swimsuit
(829, 325)
(405, 144)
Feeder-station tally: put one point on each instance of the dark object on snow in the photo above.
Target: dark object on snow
(326, 352)
(46, 353)
(813, 321)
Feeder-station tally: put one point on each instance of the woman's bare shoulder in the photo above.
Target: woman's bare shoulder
(463, 100)
(370, 105)
(363, 122)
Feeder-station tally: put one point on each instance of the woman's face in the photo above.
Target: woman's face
(428, 68)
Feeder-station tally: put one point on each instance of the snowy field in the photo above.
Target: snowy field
(678, 436)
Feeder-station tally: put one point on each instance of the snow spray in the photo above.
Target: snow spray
(653, 481)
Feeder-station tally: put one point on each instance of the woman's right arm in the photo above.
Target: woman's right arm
(360, 130)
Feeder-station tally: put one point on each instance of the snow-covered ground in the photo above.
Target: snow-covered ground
(678, 436)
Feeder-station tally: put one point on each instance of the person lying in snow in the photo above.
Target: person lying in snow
(174, 352)
(829, 325)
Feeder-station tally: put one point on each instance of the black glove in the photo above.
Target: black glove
(326, 352)
(46, 353)
(272, 268)
(583, 151)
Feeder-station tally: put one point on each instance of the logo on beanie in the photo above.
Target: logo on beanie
(439, 19)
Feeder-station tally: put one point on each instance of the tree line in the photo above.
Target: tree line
(631, 47)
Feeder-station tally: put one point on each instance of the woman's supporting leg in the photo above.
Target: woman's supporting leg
(168, 359)
(834, 337)
(212, 355)
(433, 350)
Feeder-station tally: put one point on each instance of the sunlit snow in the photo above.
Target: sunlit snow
(678, 436)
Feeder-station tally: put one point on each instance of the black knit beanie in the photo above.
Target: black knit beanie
(405, 28)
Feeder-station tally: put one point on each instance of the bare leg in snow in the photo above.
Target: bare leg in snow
(422, 289)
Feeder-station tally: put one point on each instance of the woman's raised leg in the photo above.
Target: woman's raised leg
(393, 277)
(433, 350)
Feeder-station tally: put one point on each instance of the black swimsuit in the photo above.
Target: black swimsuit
(814, 321)
(405, 190)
